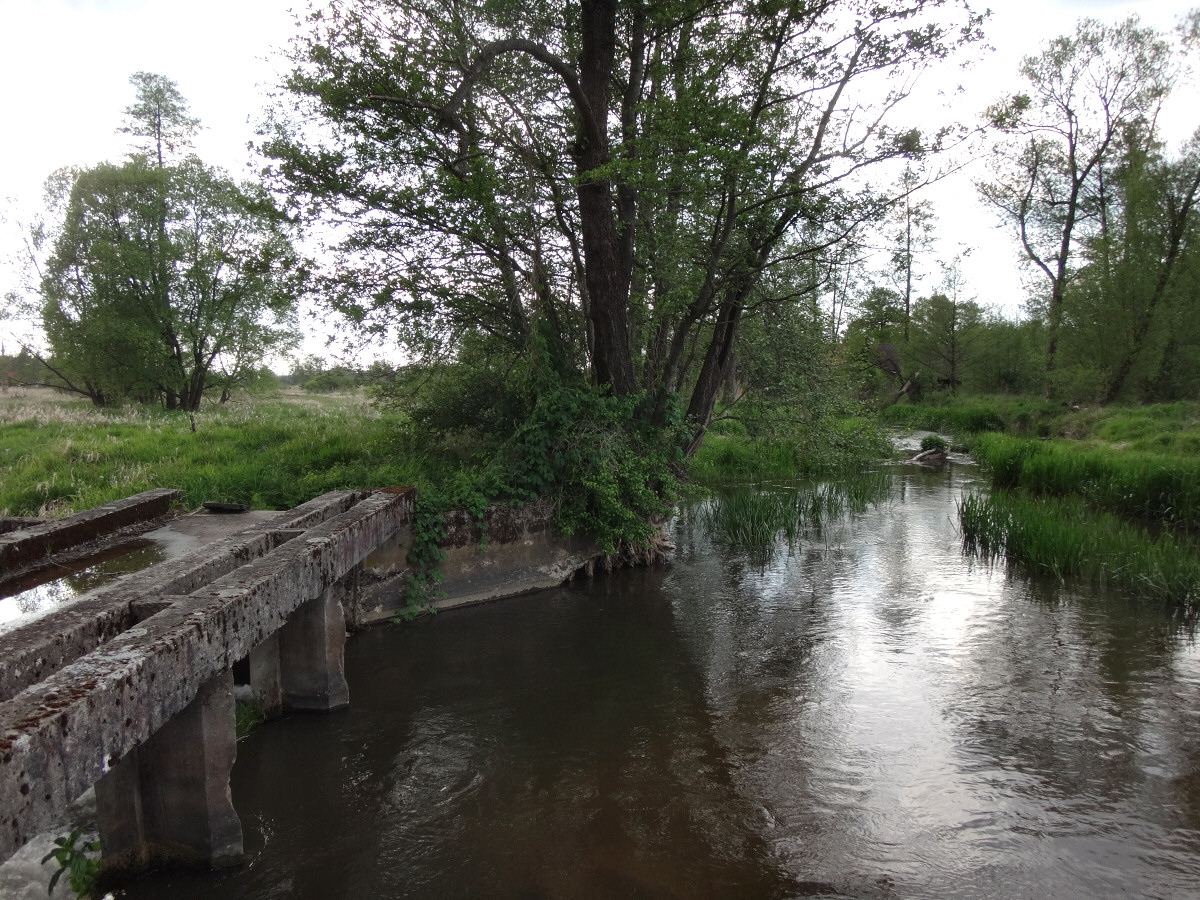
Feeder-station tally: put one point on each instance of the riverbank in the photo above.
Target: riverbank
(1172, 428)
(62, 455)
(1107, 494)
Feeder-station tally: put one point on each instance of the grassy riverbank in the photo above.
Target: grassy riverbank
(1114, 498)
(59, 454)
(1172, 428)
(835, 445)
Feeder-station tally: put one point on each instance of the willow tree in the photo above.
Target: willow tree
(1086, 93)
(622, 174)
(164, 283)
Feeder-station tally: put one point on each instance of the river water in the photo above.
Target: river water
(874, 715)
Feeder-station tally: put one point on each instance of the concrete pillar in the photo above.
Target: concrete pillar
(265, 683)
(167, 801)
(312, 647)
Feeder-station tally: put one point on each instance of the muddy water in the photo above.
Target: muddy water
(875, 716)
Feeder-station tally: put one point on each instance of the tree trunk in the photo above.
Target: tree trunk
(716, 362)
(606, 271)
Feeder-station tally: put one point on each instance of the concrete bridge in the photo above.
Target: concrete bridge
(130, 689)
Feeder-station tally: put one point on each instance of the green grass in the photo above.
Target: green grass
(1157, 428)
(1063, 537)
(754, 519)
(59, 456)
(837, 445)
(247, 717)
(958, 420)
(1145, 487)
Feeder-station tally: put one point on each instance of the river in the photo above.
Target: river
(873, 715)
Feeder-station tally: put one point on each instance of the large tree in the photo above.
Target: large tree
(1087, 92)
(620, 175)
(165, 279)
(164, 284)
(1132, 307)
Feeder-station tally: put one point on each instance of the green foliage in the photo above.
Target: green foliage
(481, 194)
(466, 405)
(247, 717)
(823, 447)
(1090, 94)
(958, 419)
(331, 381)
(1131, 331)
(1139, 486)
(82, 869)
(163, 281)
(608, 471)
(753, 519)
(24, 368)
(428, 532)
(934, 442)
(945, 333)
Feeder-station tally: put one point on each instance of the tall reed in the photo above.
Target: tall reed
(757, 519)
(1145, 487)
(1061, 536)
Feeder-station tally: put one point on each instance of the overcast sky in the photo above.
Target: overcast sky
(65, 66)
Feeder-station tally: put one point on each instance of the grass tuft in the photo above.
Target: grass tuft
(756, 519)
(1061, 536)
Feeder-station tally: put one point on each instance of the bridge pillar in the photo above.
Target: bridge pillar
(265, 682)
(312, 652)
(167, 801)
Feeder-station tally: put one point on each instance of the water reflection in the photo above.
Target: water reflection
(49, 587)
(871, 716)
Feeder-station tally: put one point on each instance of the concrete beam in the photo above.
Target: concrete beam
(57, 738)
(26, 546)
(33, 652)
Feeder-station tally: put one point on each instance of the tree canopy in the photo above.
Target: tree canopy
(165, 280)
(626, 180)
(1090, 94)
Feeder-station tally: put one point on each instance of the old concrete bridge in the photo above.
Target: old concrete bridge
(130, 689)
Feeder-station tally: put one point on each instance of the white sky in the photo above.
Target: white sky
(65, 65)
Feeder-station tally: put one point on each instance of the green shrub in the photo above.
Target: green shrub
(934, 442)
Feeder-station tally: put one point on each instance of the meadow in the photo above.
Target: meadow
(60, 455)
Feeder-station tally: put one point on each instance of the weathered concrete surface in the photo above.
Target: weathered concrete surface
(15, 523)
(27, 546)
(312, 655)
(57, 738)
(24, 876)
(35, 650)
(515, 551)
(168, 801)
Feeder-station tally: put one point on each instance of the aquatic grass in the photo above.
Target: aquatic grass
(1145, 487)
(755, 519)
(1063, 537)
(958, 420)
(247, 717)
